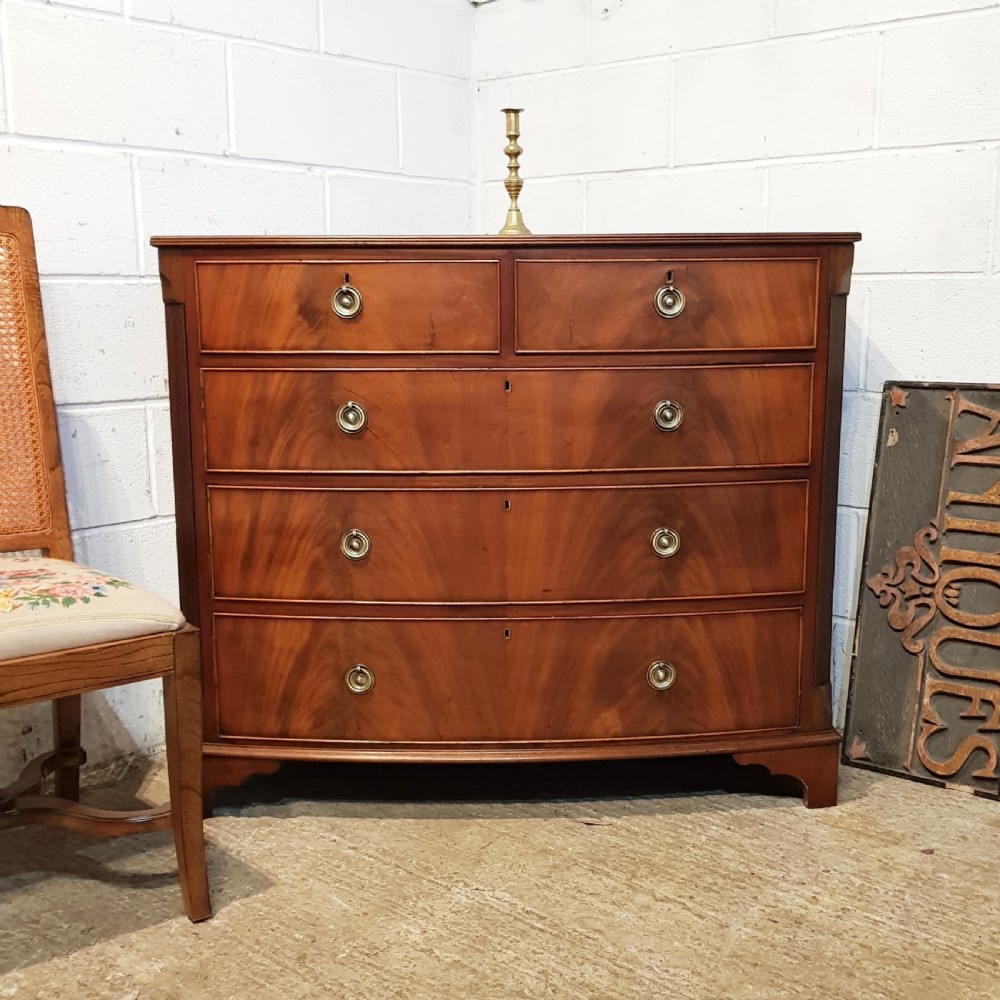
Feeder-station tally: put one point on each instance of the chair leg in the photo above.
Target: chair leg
(182, 709)
(66, 729)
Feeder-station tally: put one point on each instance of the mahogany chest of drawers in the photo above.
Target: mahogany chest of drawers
(468, 499)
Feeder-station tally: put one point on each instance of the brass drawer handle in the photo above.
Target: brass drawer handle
(346, 301)
(669, 301)
(352, 417)
(668, 415)
(665, 542)
(661, 675)
(355, 544)
(359, 679)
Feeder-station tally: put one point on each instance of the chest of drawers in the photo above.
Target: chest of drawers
(468, 499)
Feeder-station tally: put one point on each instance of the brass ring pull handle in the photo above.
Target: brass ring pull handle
(668, 415)
(665, 542)
(355, 544)
(669, 301)
(661, 675)
(346, 301)
(359, 679)
(352, 417)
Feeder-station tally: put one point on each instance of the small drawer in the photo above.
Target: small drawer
(407, 307)
(481, 421)
(520, 545)
(710, 305)
(501, 680)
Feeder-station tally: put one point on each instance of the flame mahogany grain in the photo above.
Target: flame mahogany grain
(608, 305)
(504, 679)
(466, 546)
(506, 420)
(408, 306)
(510, 476)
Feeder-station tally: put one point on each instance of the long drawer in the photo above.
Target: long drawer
(493, 545)
(464, 420)
(404, 306)
(504, 680)
(720, 305)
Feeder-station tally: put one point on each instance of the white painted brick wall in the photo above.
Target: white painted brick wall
(634, 29)
(691, 200)
(433, 35)
(91, 325)
(922, 211)
(957, 101)
(105, 464)
(307, 107)
(187, 195)
(438, 148)
(120, 119)
(167, 90)
(530, 37)
(81, 202)
(794, 17)
(588, 116)
(366, 203)
(743, 115)
(294, 23)
(3, 95)
(736, 104)
(929, 326)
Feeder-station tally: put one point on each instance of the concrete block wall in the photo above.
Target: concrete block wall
(740, 115)
(121, 119)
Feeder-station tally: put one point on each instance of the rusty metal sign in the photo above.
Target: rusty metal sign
(924, 697)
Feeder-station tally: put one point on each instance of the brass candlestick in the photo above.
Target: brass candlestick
(514, 226)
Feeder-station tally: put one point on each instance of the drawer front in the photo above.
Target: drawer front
(729, 305)
(473, 545)
(607, 419)
(406, 306)
(502, 680)
(413, 421)
(468, 421)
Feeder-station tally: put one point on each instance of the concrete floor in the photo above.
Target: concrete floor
(571, 881)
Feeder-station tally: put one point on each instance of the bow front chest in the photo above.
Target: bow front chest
(472, 498)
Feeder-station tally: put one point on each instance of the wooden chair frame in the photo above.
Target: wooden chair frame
(63, 676)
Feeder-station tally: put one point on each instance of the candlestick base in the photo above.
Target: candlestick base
(514, 224)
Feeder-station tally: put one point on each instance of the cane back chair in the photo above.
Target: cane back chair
(66, 629)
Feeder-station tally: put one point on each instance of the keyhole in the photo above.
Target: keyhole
(506, 633)
(347, 278)
(506, 385)
(670, 278)
(506, 505)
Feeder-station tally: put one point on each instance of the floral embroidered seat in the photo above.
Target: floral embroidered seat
(51, 604)
(67, 630)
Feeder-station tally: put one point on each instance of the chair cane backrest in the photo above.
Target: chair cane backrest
(32, 494)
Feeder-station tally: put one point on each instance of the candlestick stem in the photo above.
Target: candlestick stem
(514, 224)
